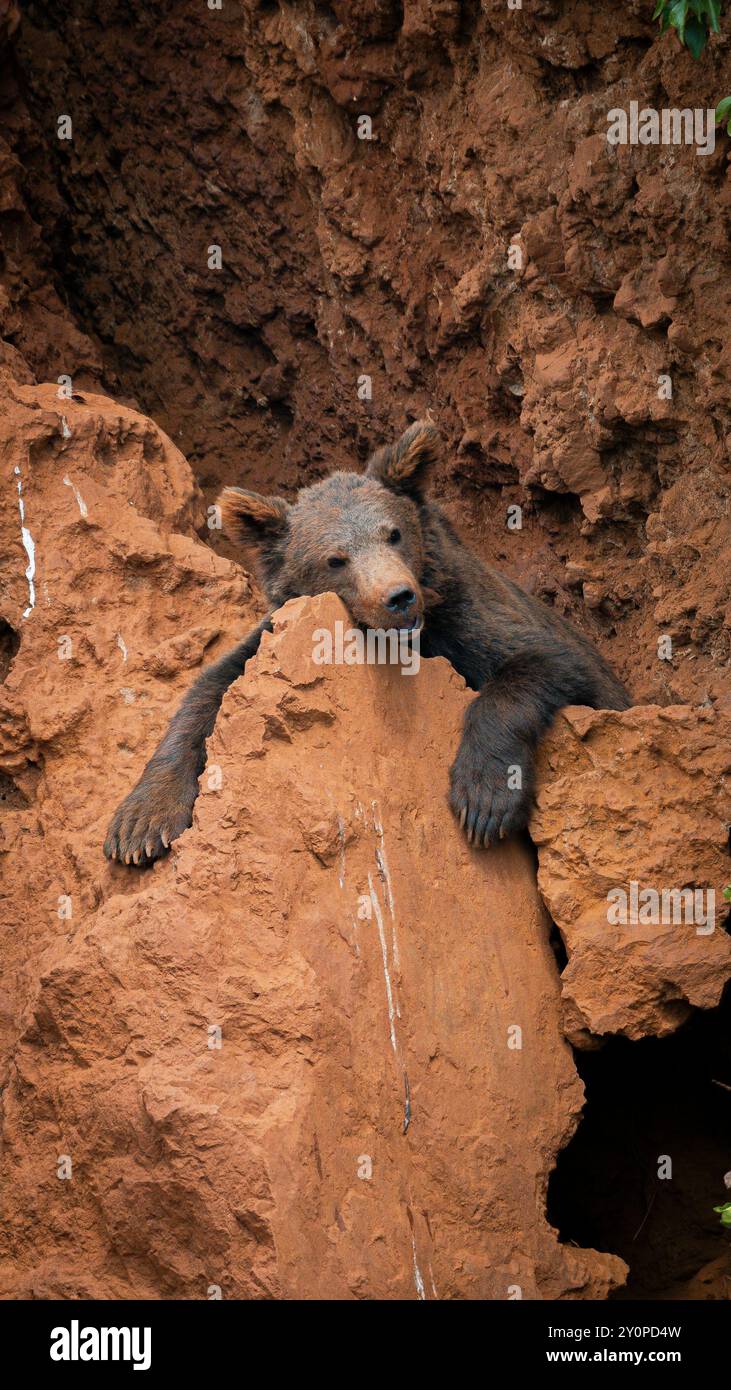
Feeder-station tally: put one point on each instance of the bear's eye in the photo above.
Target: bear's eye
(336, 562)
(395, 536)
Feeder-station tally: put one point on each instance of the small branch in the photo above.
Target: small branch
(647, 1213)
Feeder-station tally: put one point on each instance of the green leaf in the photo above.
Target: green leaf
(725, 1213)
(660, 6)
(714, 15)
(678, 14)
(722, 111)
(727, 889)
(695, 37)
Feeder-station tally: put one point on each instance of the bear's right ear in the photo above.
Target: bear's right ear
(247, 516)
(406, 465)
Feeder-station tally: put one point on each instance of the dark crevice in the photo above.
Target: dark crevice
(556, 942)
(645, 1100)
(9, 646)
(12, 797)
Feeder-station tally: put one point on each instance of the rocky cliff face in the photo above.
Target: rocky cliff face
(389, 258)
(636, 798)
(285, 1061)
(318, 1051)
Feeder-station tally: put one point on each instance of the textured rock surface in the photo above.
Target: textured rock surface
(389, 257)
(365, 1129)
(641, 796)
(240, 1166)
(124, 610)
(713, 1282)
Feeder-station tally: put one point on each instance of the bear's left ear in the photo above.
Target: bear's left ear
(405, 466)
(247, 516)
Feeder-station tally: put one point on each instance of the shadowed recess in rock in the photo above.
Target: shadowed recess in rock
(645, 1102)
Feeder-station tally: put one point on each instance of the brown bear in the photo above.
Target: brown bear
(396, 562)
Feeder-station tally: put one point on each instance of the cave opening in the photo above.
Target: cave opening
(645, 1169)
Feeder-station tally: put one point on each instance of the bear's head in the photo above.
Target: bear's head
(356, 535)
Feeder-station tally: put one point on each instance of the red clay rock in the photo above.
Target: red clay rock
(639, 795)
(388, 257)
(239, 1167)
(364, 1129)
(125, 606)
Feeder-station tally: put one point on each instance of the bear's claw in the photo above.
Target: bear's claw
(487, 808)
(155, 813)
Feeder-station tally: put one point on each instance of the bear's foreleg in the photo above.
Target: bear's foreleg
(160, 806)
(492, 777)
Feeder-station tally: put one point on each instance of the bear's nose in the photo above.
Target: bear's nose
(400, 600)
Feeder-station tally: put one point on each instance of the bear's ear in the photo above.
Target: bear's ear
(405, 466)
(247, 516)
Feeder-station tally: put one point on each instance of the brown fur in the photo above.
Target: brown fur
(244, 515)
(377, 541)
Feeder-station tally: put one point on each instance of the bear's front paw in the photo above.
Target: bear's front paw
(156, 811)
(488, 795)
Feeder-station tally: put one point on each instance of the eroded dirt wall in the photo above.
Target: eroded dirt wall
(342, 258)
(388, 257)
